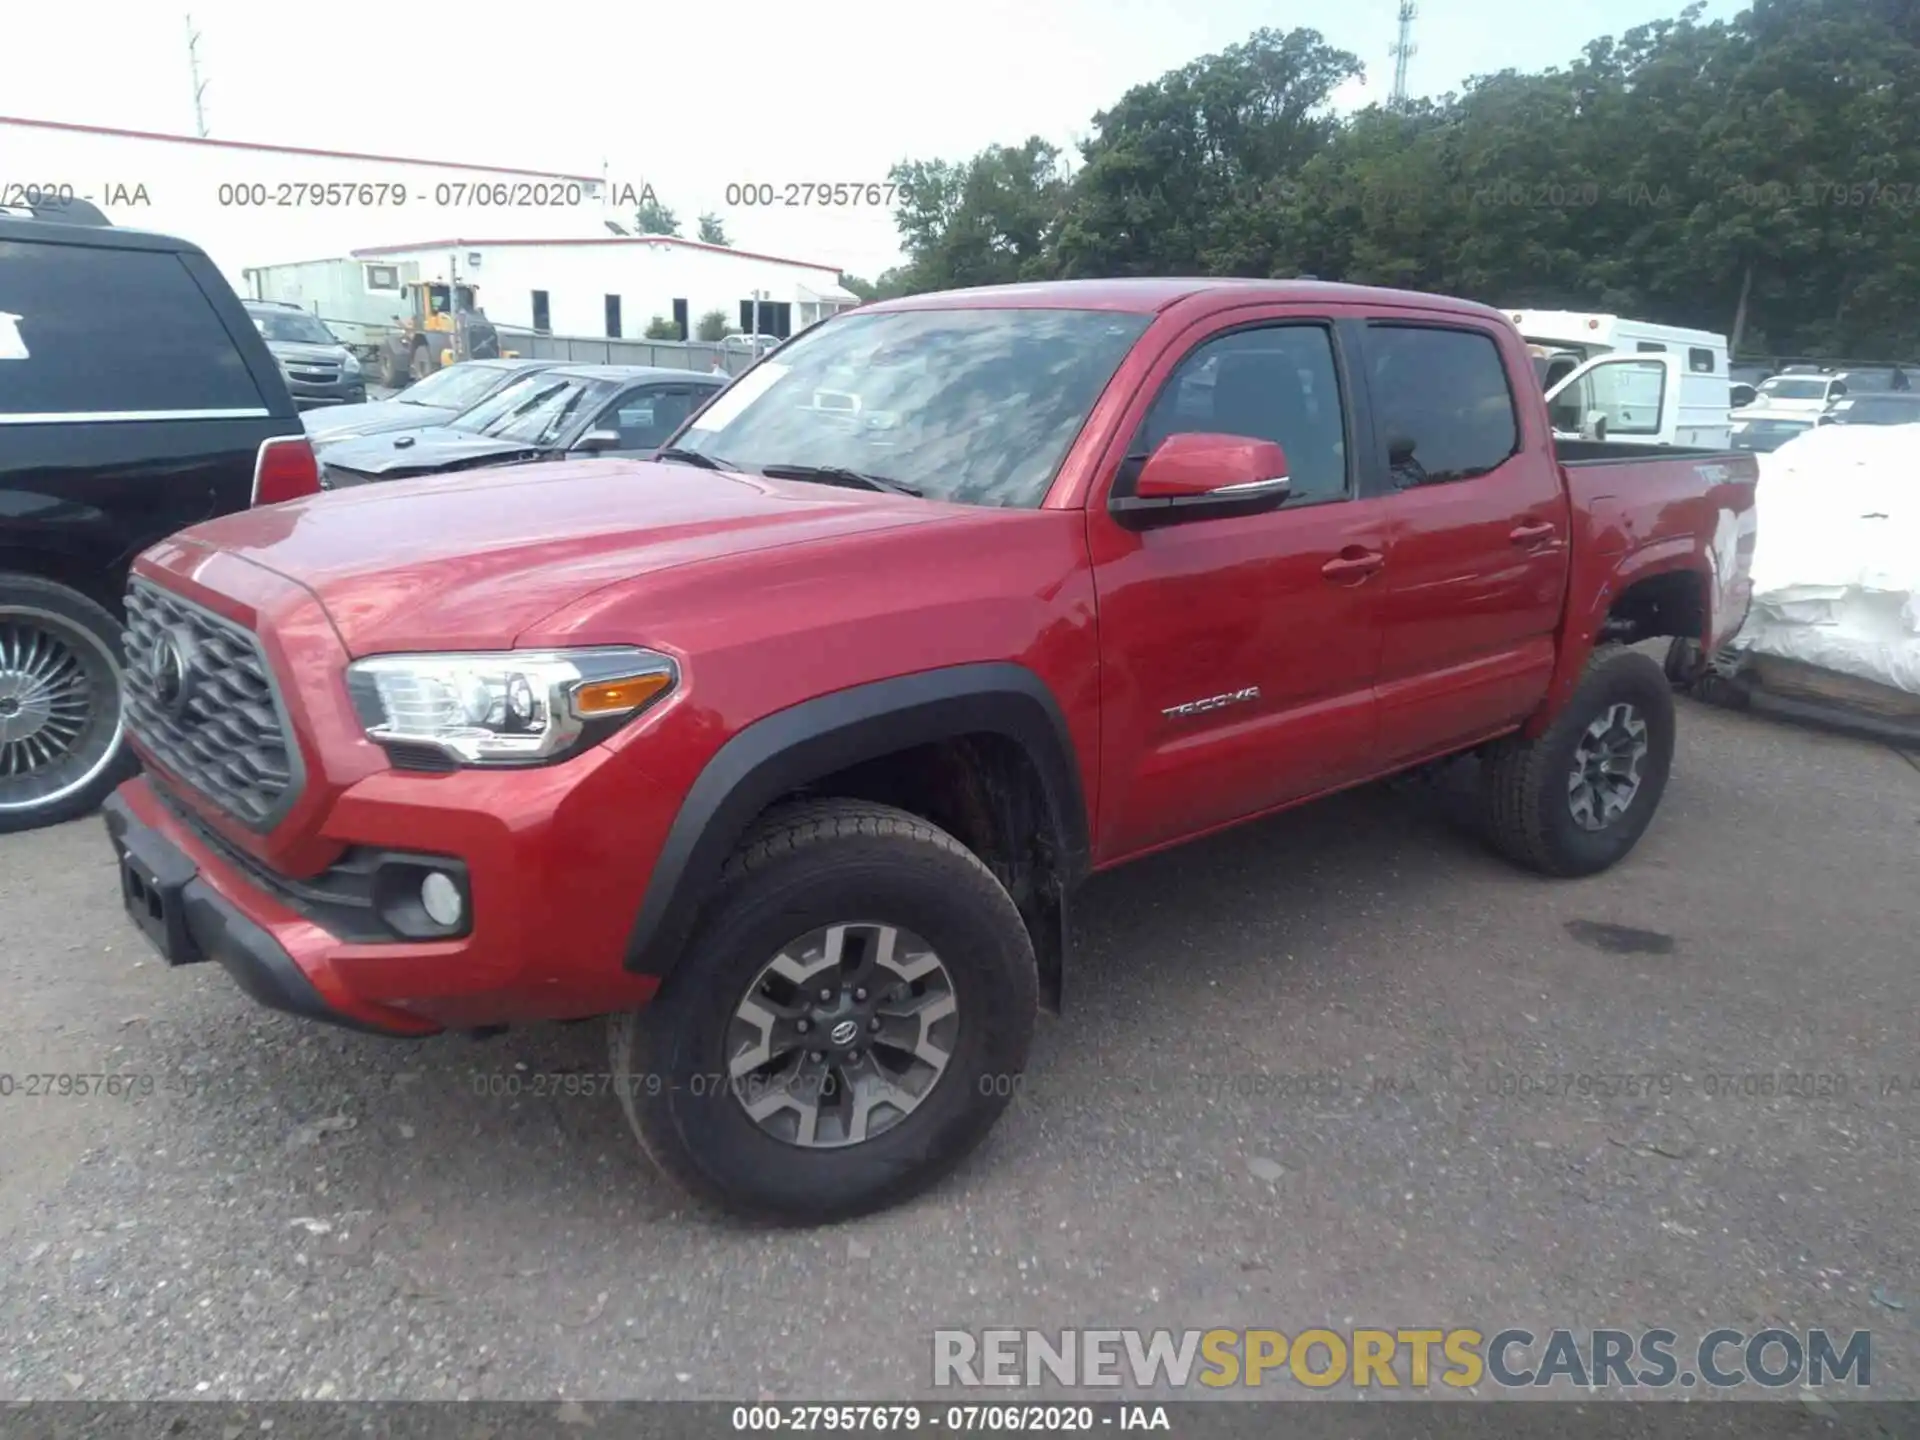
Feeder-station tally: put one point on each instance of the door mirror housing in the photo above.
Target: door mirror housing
(1741, 396)
(1593, 426)
(595, 441)
(1205, 477)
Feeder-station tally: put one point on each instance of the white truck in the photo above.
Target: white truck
(1680, 395)
(358, 300)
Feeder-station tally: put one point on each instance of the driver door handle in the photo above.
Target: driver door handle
(1352, 564)
(1531, 532)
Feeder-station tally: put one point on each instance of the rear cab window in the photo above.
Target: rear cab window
(97, 332)
(1443, 402)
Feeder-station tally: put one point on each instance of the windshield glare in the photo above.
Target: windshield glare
(455, 388)
(976, 406)
(292, 325)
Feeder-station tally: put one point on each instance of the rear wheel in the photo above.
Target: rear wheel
(62, 750)
(1576, 799)
(846, 1026)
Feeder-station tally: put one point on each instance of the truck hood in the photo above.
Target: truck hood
(471, 561)
(423, 450)
(375, 417)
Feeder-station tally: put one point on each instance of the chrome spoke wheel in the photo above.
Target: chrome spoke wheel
(1606, 767)
(842, 1035)
(59, 708)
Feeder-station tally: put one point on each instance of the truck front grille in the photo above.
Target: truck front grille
(201, 700)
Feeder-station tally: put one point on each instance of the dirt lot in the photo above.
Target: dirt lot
(1312, 1072)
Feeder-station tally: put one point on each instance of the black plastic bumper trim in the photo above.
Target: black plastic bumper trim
(218, 931)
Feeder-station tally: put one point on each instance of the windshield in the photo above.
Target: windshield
(458, 387)
(1794, 389)
(540, 409)
(293, 325)
(1884, 409)
(976, 406)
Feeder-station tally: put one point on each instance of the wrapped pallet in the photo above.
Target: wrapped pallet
(1836, 571)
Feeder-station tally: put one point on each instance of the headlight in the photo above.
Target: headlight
(352, 365)
(514, 707)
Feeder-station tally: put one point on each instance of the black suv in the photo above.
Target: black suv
(136, 398)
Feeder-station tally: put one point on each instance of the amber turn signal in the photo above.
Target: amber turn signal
(619, 697)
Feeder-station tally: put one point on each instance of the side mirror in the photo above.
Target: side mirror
(1594, 425)
(1741, 396)
(1205, 477)
(595, 441)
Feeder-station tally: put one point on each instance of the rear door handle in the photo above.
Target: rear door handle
(1529, 533)
(1353, 563)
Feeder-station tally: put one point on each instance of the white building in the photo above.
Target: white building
(250, 205)
(613, 286)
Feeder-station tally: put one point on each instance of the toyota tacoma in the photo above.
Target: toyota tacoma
(788, 749)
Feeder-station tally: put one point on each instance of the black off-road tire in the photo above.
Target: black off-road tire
(1525, 783)
(807, 865)
(420, 362)
(393, 374)
(62, 616)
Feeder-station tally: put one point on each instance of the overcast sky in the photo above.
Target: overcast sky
(692, 96)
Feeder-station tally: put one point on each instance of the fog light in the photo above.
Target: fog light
(440, 898)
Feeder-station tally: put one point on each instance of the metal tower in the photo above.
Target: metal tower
(199, 85)
(1402, 51)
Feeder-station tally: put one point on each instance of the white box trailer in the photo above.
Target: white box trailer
(358, 300)
(1705, 388)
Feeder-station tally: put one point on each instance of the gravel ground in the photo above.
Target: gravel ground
(1300, 1082)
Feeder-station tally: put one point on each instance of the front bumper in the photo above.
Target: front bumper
(206, 925)
(308, 396)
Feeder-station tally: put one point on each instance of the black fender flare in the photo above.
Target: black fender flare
(781, 752)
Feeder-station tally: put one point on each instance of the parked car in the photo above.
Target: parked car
(1749, 374)
(1891, 408)
(112, 436)
(1876, 380)
(319, 370)
(612, 410)
(434, 400)
(753, 345)
(790, 749)
(1798, 392)
(1760, 431)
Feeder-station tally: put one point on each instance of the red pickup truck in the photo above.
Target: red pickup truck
(788, 749)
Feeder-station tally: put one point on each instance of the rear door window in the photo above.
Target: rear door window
(1442, 402)
(98, 332)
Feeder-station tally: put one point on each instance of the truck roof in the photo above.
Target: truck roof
(1144, 296)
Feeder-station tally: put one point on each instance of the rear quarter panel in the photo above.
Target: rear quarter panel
(1640, 517)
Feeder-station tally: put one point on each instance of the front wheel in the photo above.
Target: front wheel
(62, 747)
(846, 1026)
(422, 362)
(1576, 799)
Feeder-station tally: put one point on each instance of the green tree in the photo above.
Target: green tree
(1175, 166)
(661, 328)
(864, 289)
(653, 218)
(712, 326)
(713, 231)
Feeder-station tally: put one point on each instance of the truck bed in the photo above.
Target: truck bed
(1613, 452)
(1639, 508)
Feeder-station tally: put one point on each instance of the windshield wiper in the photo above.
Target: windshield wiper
(839, 475)
(689, 457)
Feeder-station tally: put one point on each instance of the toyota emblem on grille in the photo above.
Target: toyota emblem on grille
(168, 672)
(844, 1032)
